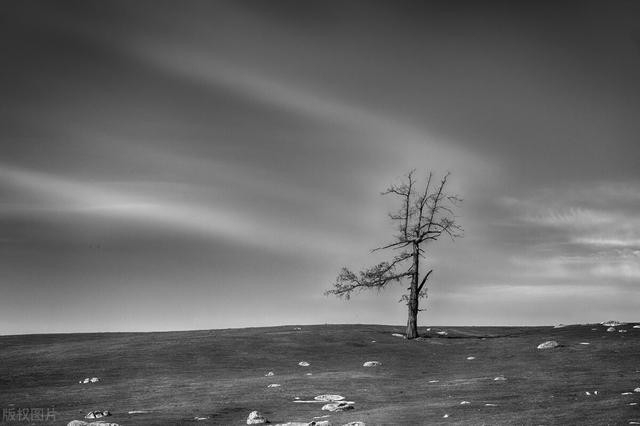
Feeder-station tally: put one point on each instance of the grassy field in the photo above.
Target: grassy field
(219, 375)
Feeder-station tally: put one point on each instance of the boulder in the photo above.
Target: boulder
(636, 390)
(274, 385)
(338, 406)
(255, 418)
(499, 379)
(559, 326)
(611, 329)
(442, 333)
(329, 398)
(303, 364)
(548, 345)
(397, 335)
(269, 374)
(94, 380)
(372, 364)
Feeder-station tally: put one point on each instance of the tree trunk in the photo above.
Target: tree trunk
(412, 321)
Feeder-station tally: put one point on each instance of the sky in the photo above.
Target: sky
(203, 165)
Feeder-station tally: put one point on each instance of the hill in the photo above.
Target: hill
(220, 375)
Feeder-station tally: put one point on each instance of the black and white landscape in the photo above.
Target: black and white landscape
(186, 187)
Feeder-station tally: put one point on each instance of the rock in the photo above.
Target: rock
(372, 364)
(354, 424)
(442, 333)
(611, 329)
(338, 406)
(499, 379)
(97, 414)
(585, 343)
(138, 412)
(612, 323)
(87, 380)
(490, 405)
(255, 418)
(309, 374)
(559, 326)
(434, 381)
(465, 403)
(397, 335)
(297, 329)
(83, 423)
(303, 364)
(269, 374)
(636, 326)
(636, 390)
(471, 358)
(94, 380)
(320, 423)
(445, 416)
(200, 418)
(622, 331)
(373, 341)
(274, 385)
(548, 344)
(587, 393)
(626, 393)
(329, 398)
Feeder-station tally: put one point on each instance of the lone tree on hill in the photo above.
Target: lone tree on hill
(425, 214)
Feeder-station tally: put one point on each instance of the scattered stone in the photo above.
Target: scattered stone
(595, 392)
(397, 335)
(499, 379)
(297, 329)
(626, 393)
(471, 358)
(445, 416)
(548, 345)
(612, 323)
(97, 414)
(585, 343)
(465, 403)
(611, 329)
(329, 398)
(87, 380)
(269, 374)
(303, 364)
(338, 406)
(636, 390)
(255, 418)
(490, 405)
(372, 364)
(274, 385)
(622, 330)
(442, 333)
(94, 380)
(434, 381)
(200, 418)
(587, 393)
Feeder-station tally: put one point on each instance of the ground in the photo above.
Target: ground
(220, 375)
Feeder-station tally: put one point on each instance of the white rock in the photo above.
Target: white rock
(626, 393)
(97, 414)
(354, 424)
(373, 341)
(255, 418)
(434, 381)
(585, 343)
(636, 390)
(442, 333)
(87, 380)
(338, 406)
(633, 403)
(296, 397)
(587, 393)
(465, 403)
(372, 364)
(636, 326)
(471, 358)
(329, 398)
(200, 418)
(622, 331)
(94, 380)
(269, 374)
(397, 335)
(559, 326)
(445, 416)
(274, 385)
(297, 328)
(548, 344)
(303, 364)
(490, 405)
(611, 329)
(309, 374)
(612, 323)
(499, 379)
(138, 412)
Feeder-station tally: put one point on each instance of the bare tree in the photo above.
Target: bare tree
(424, 216)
